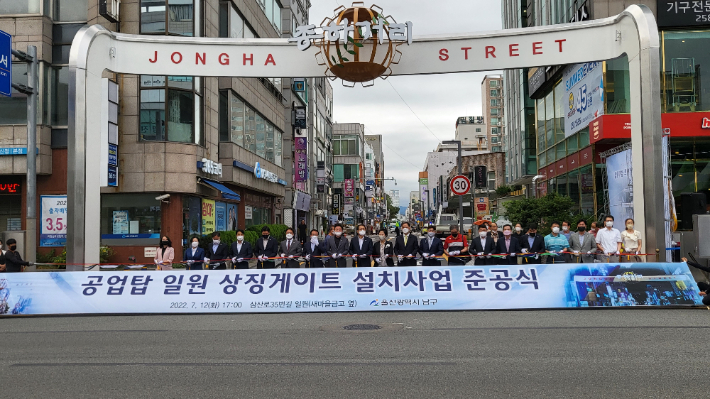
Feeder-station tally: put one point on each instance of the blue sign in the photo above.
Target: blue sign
(370, 183)
(112, 176)
(112, 155)
(5, 63)
(128, 236)
(15, 151)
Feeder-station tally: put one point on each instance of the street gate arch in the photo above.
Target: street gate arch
(94, 50)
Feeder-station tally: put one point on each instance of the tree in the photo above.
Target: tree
(543, 211)
(393, 210)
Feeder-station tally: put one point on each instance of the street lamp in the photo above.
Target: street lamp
(458, 161)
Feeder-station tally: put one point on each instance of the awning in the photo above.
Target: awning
(226, 192)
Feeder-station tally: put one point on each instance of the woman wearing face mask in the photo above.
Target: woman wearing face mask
(165, 255)
(518, 232)
(631, 241)
(383, 250)
(241, 252)
(361, 248)
(291, 250)
(194, 255)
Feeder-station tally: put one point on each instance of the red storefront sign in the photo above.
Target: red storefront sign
(573, 161)
(677, 124)
(561, 167)
(586, 156)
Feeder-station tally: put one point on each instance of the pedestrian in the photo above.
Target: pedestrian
(13, 259)
(217, 254)
(361, 248)
(406, 247)
(631, 241)
(508, 247)
(314, 250)
(396, 231)
(383, 251)
(594, 228)
(194, 256)
(291, 250)
(267, 247)
(609, 241)
(555, 243)
(164, 255)
(302, 232)
(456, 247)
(565, 229)
(533, 245)
(241, 252)
(337, 247)
(582, 244)
(483, 246)
(431, 248)
(703, 286)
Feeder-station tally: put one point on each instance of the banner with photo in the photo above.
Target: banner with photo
(620, 187)
(349, 289)
(584, 95)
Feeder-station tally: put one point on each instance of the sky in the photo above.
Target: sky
(414, 113)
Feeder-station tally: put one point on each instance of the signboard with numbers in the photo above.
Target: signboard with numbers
(673, 13)
(460, 185)
(53, 210)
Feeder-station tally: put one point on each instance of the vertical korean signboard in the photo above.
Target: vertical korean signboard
(584, 90)
(5, 64)
(53, 210)
(349, 188)
(208, 216)
(221, 216)
(301, 157)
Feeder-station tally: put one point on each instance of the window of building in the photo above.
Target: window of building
(686, 70)
(494, 111)
(560, 105)
(70, 10)
(240, 124)
(616, 86)
(346, 145)
(494, 83)
(13, 109)
(172, 17)
(494, 93)
(272, 10)
(491, 180)
(258, 216)
(232, 23)
(143, 213)
(495, 121)
(346, 171)
(494, 102)
(478, 130)
(495, 130)
(16, 7)
(170, 109)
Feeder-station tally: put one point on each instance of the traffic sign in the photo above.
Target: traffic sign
(5, 64)
(460, 185)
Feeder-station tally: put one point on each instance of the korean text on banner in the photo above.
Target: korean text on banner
(208, 216)
(584, 95)
(53, 210)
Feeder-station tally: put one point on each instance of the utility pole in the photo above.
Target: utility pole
(458, 161)
(31, 91)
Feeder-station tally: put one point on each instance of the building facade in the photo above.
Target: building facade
(492, 95)
(495, 177)
(349, 172)
(378, 202)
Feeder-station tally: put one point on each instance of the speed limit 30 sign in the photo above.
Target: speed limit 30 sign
(460, 185)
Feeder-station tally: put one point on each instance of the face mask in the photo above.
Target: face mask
(609, 224)
(507, 232)
(265, 236)
(240, 238)
(482, 234)
(532, 234)
(382, 238)
(555, 230)
(629, 226)
(431, 234)
(405, 230)
(565, 228)
(195, 244)
(164, 242)
(289, 236)
(518, 229)
(215, 242)
(13, 247)
(361, 232)
(338, 233)
(454, 234)
(581, 228)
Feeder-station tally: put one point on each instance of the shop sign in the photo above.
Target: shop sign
(120, 222)
(150, 252)
(247, 212)
(536, 79)
(682, 13)
(112, 176)
(112, 155)
(301, 148)
(349, 189)
(13, 151)
(675, 124)
(705, 124)
(221, 216)
(301, 201)
(208, 216)
(10, 188)
(481, 207)
(336, 204)
(210, 167)
(5, 64)
(53, 211)
(262, 173)
(585, 90)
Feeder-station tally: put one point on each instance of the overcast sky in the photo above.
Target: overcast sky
(435, 99)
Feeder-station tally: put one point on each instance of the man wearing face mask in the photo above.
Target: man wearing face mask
(337, 247)
(217, 254)
(583, 244)
(533, 244)
(565, 230)
(266, 247)
(555, 243)
(406, 247)
(13, 260)
(290, 250)
(483, 246)
(509, 246)
(455, 245)
(383, 251)
(313, 250)
(430, 247)
(241, 252)
(609, 241)
(361, 248)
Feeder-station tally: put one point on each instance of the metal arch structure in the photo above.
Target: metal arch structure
(95, 50)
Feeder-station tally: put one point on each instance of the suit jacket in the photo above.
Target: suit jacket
(319, 250)
(514, 247)
(365, 250)
(436, 249)
(412, 247)
(246, 253)
(590, 244)
(165, 257)
(477, 247)
(389, 250)
(198, 258)
(537, 246)
(342, 249)
(218, 256)
(271, 250)
(295, 250)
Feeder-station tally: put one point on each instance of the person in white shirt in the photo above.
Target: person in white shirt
(609, 241)
(631, 241)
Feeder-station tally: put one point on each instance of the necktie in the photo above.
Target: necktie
(507, 245)
(405, 240)
(288, 246)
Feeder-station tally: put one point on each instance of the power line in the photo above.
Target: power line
(395, 152)
(410, 108)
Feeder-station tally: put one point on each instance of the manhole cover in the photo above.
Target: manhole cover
(361, 327)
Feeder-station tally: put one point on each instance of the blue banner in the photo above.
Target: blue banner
(350, 289)
(220, 216)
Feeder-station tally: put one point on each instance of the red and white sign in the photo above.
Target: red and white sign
(460, 185)
(677, 124)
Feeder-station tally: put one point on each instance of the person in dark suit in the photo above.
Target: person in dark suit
(290, 250)
(483, 246)
(217, 254)
(406, 247)
(337, 247)
(533, 244)
(430, 247)
(194, 256)
(518, 233)
(361, 248)
(241, 252)
(383, 250)
(313, 249)
(509, 245)
(266, 247)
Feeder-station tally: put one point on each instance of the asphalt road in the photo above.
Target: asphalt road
(611, 353)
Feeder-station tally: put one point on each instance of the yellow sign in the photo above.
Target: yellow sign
(208, 216)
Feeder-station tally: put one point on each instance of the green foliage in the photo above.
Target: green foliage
(46, 258)
(105, 254)
(393, 210)
(543, 211)
(503, 190)
(278, 231)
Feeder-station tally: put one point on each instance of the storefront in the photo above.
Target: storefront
(11, 194)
